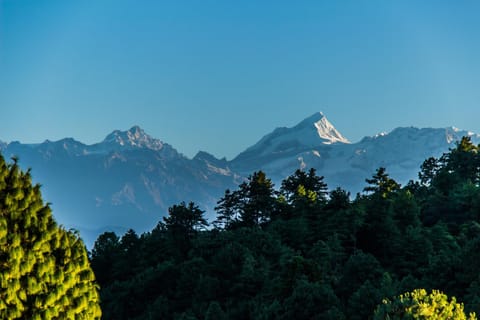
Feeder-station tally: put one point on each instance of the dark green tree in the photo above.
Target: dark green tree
(339, 200)
(44, 269)
(464, 161)
(363, 301)
(185, 219)
(379, 232)
(406, 210)
(215, 312)
(256, 200)
(428, 171)
(183, 223)
(227, 210)
(253, 204)
(312, 301)
(342, 219)
(359, 268)
(105, 252)
(128, 260)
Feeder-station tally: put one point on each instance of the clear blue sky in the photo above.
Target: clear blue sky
(218, 75)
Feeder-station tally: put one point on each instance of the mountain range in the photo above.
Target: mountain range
(130, 178)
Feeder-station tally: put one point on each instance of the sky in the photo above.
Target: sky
(218, 75)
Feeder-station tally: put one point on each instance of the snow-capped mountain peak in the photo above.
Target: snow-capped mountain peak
(324, 128)
(328, 132)
(316, 130)
(135, 137)
(129, 177)
(310, 133)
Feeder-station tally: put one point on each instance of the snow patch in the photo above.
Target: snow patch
(381, 134)
(224, 172)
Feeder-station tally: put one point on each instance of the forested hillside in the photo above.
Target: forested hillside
(303, 252)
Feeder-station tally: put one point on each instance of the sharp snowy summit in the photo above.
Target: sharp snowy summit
(310, 133)
(133, 138)
(327, 133)
(129, 179)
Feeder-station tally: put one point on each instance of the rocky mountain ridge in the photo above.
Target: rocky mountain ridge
(129, 179)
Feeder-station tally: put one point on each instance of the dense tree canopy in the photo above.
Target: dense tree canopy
(305, 253)
(44, 269)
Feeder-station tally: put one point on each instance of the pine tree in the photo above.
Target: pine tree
(227, 211)
(257, 201)
(44, 269)
(105, 253)
(428, 170)
(183, 223)
(381, 184)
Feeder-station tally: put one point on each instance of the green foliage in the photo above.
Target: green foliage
(381, 184)
(419, 304)
(303, 253)
(304, 187)
(44, 269)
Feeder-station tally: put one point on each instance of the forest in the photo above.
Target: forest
(300, 251)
